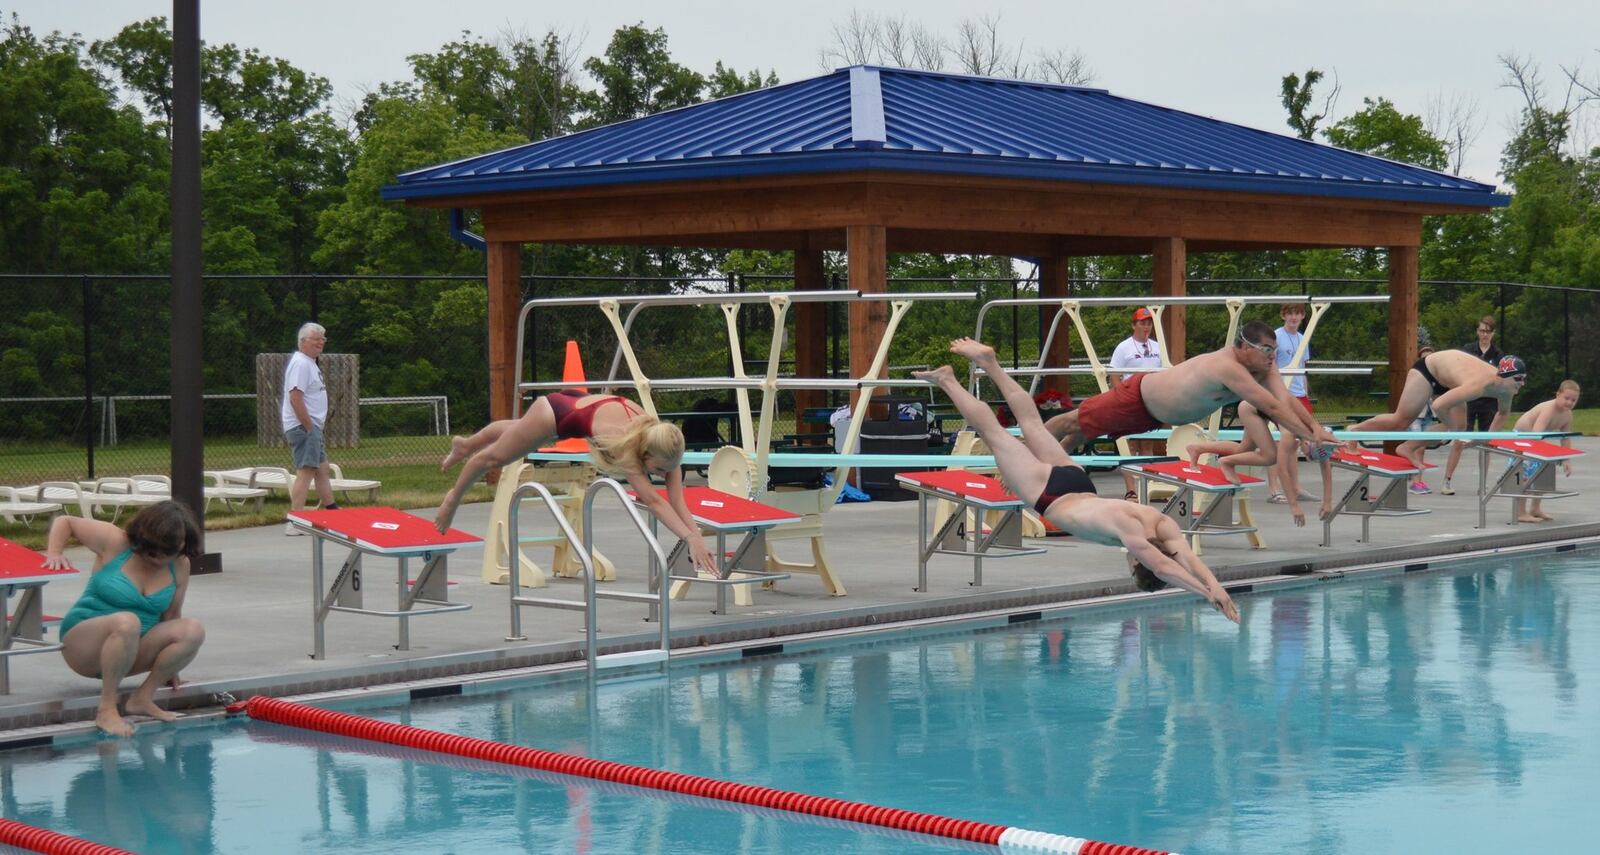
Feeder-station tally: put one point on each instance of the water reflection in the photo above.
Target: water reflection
(1169, 728)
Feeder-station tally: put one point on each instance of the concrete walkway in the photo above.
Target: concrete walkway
(257, 613)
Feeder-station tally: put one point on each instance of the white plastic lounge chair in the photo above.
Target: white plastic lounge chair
(276, 479)
(14, 509)
(90, 501)
(161, 485)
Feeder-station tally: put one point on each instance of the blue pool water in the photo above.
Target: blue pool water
(1449, 711)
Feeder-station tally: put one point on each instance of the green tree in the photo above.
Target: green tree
(1381, 129)
(725, 81)
(637, 77)
(1297, 94)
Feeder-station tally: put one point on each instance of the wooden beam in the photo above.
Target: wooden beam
(1167, 276)
(1055, 281)
(868, 255)
(1402, 317)
(810, 334)
(983, 217)
(505, 303)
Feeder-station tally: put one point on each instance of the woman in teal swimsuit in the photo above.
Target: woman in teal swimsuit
(128, 620)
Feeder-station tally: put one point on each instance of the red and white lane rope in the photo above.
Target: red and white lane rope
(1009, 840)
(22, 836)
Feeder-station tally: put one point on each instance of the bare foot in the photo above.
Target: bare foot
(149, 708)
(972, 349)
(1529, 518)
(458, 452)
(1544, 515)
(111, 723)
(447, 512)
(938, 376)
(1228, 471)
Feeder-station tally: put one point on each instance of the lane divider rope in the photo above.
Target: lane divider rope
(1009, 840)
(34, 839)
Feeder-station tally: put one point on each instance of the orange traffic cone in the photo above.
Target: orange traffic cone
(572, 372)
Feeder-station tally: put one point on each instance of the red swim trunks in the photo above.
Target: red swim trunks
(1306, 402)
(1118, 411)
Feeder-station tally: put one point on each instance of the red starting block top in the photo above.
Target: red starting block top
(22, 566)
(1535, 449)
(1198, 475)
(721, 511)
(1376, 461)
(969, 487)
(384, 530)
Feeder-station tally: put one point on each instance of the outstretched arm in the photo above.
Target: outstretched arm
(1262, 398)
(102, 538)
(674, 513)
(1175, 562)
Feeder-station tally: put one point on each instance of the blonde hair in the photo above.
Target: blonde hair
(620, 453)
(1567, 385)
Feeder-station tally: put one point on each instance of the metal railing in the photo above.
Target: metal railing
(659, 600)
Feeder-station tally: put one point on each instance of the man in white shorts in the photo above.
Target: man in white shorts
(304, 412)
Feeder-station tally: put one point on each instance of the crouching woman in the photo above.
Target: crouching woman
(129, 619)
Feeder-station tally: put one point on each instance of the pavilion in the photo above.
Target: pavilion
(873, 161)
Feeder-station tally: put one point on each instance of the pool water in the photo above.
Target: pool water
(1442, 711)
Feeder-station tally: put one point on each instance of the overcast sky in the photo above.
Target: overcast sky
(1218, 59)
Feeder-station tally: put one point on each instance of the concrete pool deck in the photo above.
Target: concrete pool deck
(257, 613)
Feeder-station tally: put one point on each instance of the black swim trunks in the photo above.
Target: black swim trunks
(1063, 481)
(1421, 367)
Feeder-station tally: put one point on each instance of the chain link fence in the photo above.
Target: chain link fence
(84, 360)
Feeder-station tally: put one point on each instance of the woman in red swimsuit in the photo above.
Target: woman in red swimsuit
(624, 443)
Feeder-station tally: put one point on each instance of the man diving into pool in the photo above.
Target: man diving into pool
(1193, 389)
(1042, 473)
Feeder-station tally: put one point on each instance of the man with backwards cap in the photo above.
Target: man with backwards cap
(1450, 379)
(1139, 350)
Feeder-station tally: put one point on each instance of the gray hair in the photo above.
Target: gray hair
(308, 330)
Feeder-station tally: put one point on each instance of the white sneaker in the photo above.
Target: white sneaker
(291, 530)
(1447, 490)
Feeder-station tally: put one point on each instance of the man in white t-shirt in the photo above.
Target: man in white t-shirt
(304, 412)
(1140, 350)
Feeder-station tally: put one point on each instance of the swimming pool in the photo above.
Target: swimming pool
(1439, 711)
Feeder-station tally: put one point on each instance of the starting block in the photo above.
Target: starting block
(1188, 480)
(378, 531)
(723, 514)
(1363, 499)
(963, 532)
(1529, 473)
(22, 571)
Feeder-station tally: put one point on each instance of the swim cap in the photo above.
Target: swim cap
(1512, 366)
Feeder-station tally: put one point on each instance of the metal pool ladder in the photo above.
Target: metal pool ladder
(659, 600)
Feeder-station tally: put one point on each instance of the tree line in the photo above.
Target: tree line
(291, 180)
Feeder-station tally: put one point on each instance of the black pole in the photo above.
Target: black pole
(88, 377)
(1566, 335)
(316, 301)
(187, 352)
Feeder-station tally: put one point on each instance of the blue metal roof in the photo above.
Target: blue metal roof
(870, 118)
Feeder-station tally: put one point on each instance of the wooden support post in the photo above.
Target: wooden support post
(867, 247)
(505, 305)
(1167, 275)
(1402, 321)
(1055, 280)
(810, 335)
